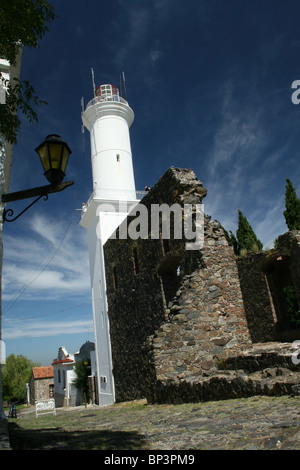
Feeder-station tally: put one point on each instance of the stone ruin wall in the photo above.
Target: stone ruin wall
(262, 278)
(206, 321)
(159, 339)
(195, 325)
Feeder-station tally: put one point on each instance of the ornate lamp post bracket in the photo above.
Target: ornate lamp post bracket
(54, 154)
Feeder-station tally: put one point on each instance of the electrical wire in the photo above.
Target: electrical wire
(41, 270)
(47, 314)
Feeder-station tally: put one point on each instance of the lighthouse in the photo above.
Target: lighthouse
(108, 118)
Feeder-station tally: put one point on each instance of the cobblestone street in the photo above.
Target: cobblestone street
(257, 423)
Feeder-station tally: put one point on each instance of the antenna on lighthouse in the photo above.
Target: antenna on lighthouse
(92, 70)
(82, 127)
(121, 92)
(124, 85)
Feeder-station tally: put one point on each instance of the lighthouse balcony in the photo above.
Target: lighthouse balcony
(96, 195)
(107, 98)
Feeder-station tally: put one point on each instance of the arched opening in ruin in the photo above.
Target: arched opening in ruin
(282, 294)
(170, 274)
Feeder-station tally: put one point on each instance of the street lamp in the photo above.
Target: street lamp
(54, 154)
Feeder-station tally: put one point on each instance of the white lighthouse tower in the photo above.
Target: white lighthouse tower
(108, 118)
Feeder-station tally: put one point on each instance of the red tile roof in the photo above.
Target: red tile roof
(62, 361)
(42, 372)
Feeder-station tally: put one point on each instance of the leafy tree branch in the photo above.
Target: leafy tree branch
(22, 23)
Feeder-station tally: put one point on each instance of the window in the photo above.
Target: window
(58, 376)
(170, 273)
(118, 157)
(166, 245)
(279, 284)
(51, 390)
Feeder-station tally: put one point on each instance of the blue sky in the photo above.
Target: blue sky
(210, 86)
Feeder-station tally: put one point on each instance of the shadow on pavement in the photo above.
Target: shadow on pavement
(59, 439)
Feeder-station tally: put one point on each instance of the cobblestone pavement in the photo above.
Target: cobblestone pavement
(256, 423)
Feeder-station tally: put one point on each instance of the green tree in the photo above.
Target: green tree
(292, 207)
(231, 239)
(22, 23)
(246, 238)
(81, 382)
(15, 374)
(20, 96)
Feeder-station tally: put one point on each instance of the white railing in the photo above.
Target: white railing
(104, 99)
(138, 194)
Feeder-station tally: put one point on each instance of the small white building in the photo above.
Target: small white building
(63, 366)
(65, 392)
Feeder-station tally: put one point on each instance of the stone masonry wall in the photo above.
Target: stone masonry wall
(206, 319)
(206, 323)
(256, 297)
(136, 297)
(173, 312)
(262, 278)
(39, 389)
(289, 243)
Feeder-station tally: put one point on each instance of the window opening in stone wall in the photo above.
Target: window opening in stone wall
(166, 245)
(271, 300)
(136, 267)
(168, 271)
(51, 390)
(281, 289)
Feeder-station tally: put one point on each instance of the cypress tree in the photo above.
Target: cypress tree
(231, 239)
(234, 243)
(292, 206)
(246, 237)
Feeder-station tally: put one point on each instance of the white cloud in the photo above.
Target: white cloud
(242, 170)
(52, 260)
(155, 55)
(38, 329)
(137, 17)
(240, 138)
(43, 227)
(273, 224)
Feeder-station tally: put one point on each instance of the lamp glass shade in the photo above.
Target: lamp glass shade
(54, 154)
